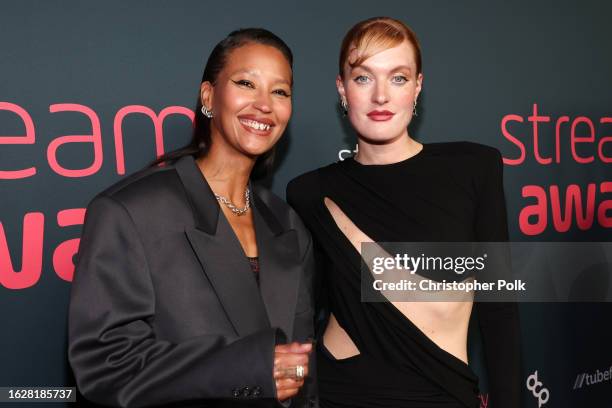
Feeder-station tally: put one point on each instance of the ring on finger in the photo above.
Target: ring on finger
(299, 372)
(296, 372)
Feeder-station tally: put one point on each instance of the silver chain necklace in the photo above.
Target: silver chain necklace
(232, 207)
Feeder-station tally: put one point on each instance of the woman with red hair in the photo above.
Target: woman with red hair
(395, 189)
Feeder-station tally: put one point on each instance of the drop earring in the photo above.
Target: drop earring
(344, 106)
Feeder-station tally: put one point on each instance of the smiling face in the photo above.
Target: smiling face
(250, 100)
(380, 93)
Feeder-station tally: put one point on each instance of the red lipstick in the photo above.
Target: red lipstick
(380, 116)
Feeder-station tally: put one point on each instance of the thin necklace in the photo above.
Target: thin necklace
(237, 211)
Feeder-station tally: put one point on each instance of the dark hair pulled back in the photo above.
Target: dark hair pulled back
(201, 137)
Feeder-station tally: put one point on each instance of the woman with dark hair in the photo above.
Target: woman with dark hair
(395, 189)
(192, 284)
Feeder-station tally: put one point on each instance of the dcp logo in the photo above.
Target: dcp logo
(536, 389)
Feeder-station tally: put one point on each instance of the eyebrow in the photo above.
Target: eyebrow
(394, 69)
(254, 73)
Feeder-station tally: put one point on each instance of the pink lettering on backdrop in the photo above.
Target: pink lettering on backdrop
(585, 139)
(589, 139)
(533, 218)
(34, 223)
(561, 120)
(606, 139)
(580, 203)
(537, 211)
(514, 140)
(535, 119)
(28, 138)
(158, 121)
(603, 218)
(573, 198)
(95, 138)
(31, 257)
(484, 400)
(64, 253)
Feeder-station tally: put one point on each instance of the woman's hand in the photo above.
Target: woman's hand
(286, 358)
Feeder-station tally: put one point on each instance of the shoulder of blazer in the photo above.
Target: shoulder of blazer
(142, 180)
(151, 192)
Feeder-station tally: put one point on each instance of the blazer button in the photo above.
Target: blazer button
(246, 391)
(257, 391)
(236, 392)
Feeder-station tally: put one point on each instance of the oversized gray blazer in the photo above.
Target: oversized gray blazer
(164, 308)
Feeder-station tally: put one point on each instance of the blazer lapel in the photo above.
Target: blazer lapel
(279, 267)
(220, 254)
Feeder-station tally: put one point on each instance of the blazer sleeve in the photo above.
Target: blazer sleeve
(498, 321)
(304, 329)
(114, 353)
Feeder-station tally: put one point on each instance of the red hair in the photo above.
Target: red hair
(371, 36)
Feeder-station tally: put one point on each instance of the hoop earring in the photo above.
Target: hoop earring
(344, 106)
(414, 111)
(206, 112)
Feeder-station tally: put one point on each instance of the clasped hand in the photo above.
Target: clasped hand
(287, 357)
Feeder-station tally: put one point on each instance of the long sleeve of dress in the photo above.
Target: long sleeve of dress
(498, 321)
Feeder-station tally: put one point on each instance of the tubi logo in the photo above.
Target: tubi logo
(537, 390)
(585, 379)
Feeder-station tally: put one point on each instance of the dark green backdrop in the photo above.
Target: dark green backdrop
(482, 61)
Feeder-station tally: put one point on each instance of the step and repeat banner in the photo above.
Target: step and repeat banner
(92, 91)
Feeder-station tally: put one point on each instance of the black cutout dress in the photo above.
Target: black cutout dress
(447, 192)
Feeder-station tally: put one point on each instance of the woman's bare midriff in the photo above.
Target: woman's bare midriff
(444, 323)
